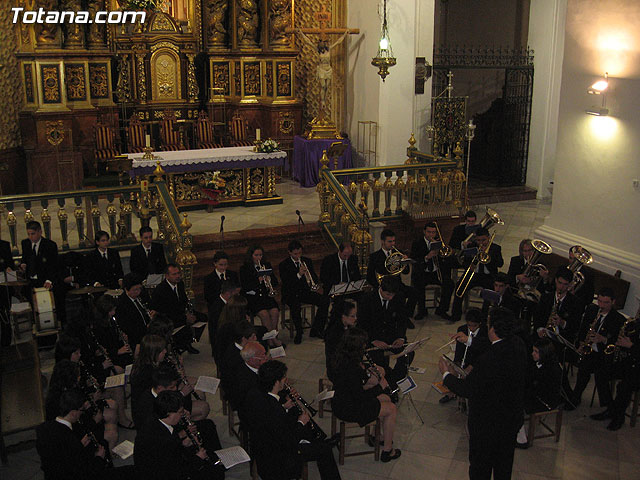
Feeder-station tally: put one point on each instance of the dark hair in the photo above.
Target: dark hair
(171, 265)
(242, 330)
(470, 214)
(163, 376)
(347, 306)
(99, 234)
(294, 245)
(64, 377)
(167, 402)
(144, 230)
(502, 321)
(429, 225)
(387, 233)
(473, 315)
(606, 292)
(150, 347)
(70, 400)
(501, 277)
(220, 255)
(102, 308)
(250, 251)
(564, 273)
(390, 284)
(235, 311)
(228, 286)
(130, 280)
(481, 232)
(546, 350)
(65, 346)
(350, 348)
(344, 245)
(522, 244)
(160, 325)
(33, 225)
(269, 373)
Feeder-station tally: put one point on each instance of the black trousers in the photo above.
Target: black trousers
(483, 280)
(423, 279)
(630, 375)
(491, 451)
(322, 454)
(321, 301)
(411, 297)
(587, 366)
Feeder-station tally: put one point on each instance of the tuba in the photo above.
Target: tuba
(393, 264)
(581, 257)
(481, 257)
(530, 291)
(490, 219)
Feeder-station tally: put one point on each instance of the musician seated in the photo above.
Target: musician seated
(624, 364)
(377, 265)
(431, 269)
(39, 258)
(472, 340)
(230, 360)
(299, 285)
(228, 289)
(245, 378)
(163, 450)
(103, 265)
(153, 349)
(484, 273)
(344, 316)
(542, 389)
(148, 257)
(461, 232)
(221, 273)
(132, 315)
(280, 435)
(505, 298)
(256, 289)
(339, 268)
(360, 392)
(518, 264)
(71, 275)
(170, 298)
(383, 316)
(600, 327)
(7, 264)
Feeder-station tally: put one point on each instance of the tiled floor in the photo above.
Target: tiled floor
(438, 449)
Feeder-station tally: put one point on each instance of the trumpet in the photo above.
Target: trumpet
(581, 257)
(490, 219)
(552, 316)
(482, 257)
(267, 282)
(393, 264)
(309, 278)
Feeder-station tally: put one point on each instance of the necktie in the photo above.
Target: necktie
(222, 277)
(430, 261)
(31, 270)
(385, 304)
(104, 255)
(344, 274)
(35, 252)
(599, 323)
(138, 305)
(175, 290)
(147, 250)
(298, 265)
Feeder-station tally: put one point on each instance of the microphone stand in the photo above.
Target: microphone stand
(222, 232)
(300, 221)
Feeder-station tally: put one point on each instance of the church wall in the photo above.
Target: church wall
(594, 200)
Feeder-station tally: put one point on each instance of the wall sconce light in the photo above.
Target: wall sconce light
(384, 59)
(599, 88)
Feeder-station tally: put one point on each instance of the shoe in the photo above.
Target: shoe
(446, 399)
(333, 441)
(315, 334)
(410, 325)
(420, 315)
(298, 339)
(444, 315)
(522, 446)
(192, 350)
(390, 455)
(607, 414)
(616, 424)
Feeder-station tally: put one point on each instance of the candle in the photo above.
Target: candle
(147, 139)
(258, 134)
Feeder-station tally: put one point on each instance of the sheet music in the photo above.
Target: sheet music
(324, 395)
(154, 279)
(407, 384)
(347, 287)
(199, 325)
(207, 384)
(10, 276)
(418, 370)
(277, 352)
(459, 371)
(176, 330)
(269, 335)
(124, 450)
(20, 307)
(114, 381)
(127, 369)
(414, 346)
(232, 456)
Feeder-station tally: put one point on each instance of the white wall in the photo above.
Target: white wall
(594, 201)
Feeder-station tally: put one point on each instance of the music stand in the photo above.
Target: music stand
(556, 337)
(335, 151)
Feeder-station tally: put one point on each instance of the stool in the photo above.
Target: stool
(323, 383)
(431, 301)
(472, 298)
(367, 434)
(306, 322)
(538, 418)
(634, 408)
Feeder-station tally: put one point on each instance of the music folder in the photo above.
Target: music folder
(459, 371)
(435, 246)
(470, 252)
(264, 272)
(346, 288)
(490, 295)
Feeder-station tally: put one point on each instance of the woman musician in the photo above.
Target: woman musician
(344, 317)
(358, 392)
(259, 290)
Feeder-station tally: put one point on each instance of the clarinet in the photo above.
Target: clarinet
(313, 427)
(90, 382)
(372, 370)
(103, 351)
(122, 336)
(93, 441)
(175, 363)
(196, 438)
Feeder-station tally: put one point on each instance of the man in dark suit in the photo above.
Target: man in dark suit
(213, 281)
(339, 268)
(377, 265)
(280, 440)
(296, 290)
(485, 273)
(518, 264)
(103, 264)
(461, 232)
(381, 313)
(148, 257)
(600, 326)
(39, 258)
(132, 316)
(495, 389)
(246, 375)
(170, 298)
(505, 299)
(228, 289)
(230, 359)
(431, 269)
(162, 451)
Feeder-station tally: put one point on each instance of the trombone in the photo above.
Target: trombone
(481, 257)
(445, 252)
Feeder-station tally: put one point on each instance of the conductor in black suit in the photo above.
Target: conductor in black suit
(429, 269)
(103, 264)
(213, 281)
(495, 389)
(39, 257)
(296, 290)
(461, 232)
(148, 257)
(340, 267)
(170, 298)
(485, 273)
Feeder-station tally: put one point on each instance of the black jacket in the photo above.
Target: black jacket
(508, 301)
(386, 325)
(495, 251)
(244, 380)
(165, 301)
(106, 272)
(377, 265)
(292, 286)
(516, 267)
(610, 326)
(143, 266)
(132, 320)
(330, 273)
(418, 252)
(44, 265)
(457, 236)
(249, 279)
(6, 257)
(212, 284)
(543, 389)
(479, 345)
(569, 310)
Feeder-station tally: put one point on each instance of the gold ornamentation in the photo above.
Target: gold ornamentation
(192, 84)
(286, 123)
(280, 19)
(283, 76)
(123, 89)
(96, 30)
(142, 78)
(54, 132)
(74, 80)
(50, 83)
(28, 216)
(98, 81)
(73, 31)
(47, 33)
(257, 181)
(251, 78)
(28, 83)
(221, 76)
(236, 78)
(247, 26)
(165, 69)
(217, 17)
(233, 183)
(161, 45)
(268, 79)
(163, 23)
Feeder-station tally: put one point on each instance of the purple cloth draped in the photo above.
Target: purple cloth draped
(307, 155)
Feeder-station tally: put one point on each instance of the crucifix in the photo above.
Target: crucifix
(322, 126)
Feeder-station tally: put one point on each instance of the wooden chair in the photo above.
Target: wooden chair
(238, 127)
(306, 320)
(536, 419)
(106, 148)
(634, 408)
(170, 136)
(323, 383)
(432, 293)
(204, 132)
(366, 435)
(135, 135)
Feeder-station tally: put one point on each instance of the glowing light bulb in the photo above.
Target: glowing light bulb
(384, 43)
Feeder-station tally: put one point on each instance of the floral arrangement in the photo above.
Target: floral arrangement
(215, 182)
(267, 146)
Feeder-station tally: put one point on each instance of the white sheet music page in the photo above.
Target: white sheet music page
(207, 384)
(232, 456)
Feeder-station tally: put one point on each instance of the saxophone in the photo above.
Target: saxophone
(628, 329)
(585, 347)
(552, 315)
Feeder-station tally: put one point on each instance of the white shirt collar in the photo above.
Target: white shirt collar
(154, 393)
(254, 370)
(496, 341)
(222, 298)
(277, 397)
(381, 297)
(169, 427)
(239, 347)
(474, 332)
(218, 272)
(173, 287)
(64, 422)
(37, 244)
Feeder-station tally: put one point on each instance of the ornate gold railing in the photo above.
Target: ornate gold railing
(113, 209)
(424, 187)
